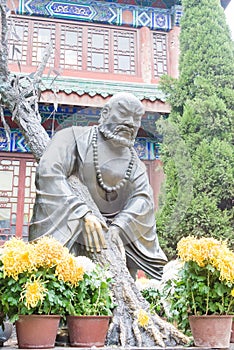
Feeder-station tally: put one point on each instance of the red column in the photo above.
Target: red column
(156, 178)
(146, 54)
(173, 52)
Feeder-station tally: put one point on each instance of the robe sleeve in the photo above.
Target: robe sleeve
(57, 209)
(138, 226)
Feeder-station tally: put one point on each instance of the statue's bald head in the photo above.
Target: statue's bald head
(121, 118)
(124, 100)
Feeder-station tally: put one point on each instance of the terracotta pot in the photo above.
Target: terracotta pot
(37, 331)
(87, 331)
(232, 332)
(213, 331)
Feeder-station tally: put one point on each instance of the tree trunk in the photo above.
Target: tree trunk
(20, 96)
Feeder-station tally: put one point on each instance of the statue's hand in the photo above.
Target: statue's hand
(114, 236)
(94, 238)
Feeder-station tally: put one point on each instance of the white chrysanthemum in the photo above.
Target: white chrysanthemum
(87, 264)
(170, 270)
(153, 283)
(141, 283)
(145, 283)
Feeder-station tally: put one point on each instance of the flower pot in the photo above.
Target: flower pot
(232, 333)
(87, 331)
(213, 331)
(37, 331)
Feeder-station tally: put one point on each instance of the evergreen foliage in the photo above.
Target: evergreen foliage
(202, 101)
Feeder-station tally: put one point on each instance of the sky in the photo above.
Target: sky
(230, 16)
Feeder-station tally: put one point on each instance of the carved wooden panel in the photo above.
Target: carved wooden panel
(17, 193)
(160, 54)
(71, 47)
(98, 43)
(29, 195)
(43, 34)
(18, 41)
(124, 52)
(9, 174)
(77, 47)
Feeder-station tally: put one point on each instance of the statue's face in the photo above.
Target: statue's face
(123, 121)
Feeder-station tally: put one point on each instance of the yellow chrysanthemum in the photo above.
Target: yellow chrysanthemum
(17, 257)
(33, 292)
(68, 270)
(48, 252)
(224, 262)
(232, 292)
(142, 318)
(208, 251)
(198, 250)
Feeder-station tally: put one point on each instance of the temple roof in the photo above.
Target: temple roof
(101, 87)
(94, 93)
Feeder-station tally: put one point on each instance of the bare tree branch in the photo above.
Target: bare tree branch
(20, 94)
(4, 72)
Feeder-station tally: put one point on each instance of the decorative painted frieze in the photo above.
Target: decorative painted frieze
(146, 149)
(13, 142)
(176, 12)
(100, 12)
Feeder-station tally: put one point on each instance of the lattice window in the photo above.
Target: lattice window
(160, 54)
(18, 41)
(83, 47)
(98, 49)
(29, 195)
(9, 174)
(17, 195)
(124, 52)
(71, 47)
(43, 34)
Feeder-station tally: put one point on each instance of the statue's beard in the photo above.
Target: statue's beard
(114, 135)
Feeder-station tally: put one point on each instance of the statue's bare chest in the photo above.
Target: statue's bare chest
(113, 166)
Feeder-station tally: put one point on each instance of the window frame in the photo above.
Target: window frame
(31, 22)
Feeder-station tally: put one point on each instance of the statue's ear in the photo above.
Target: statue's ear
(105, 112)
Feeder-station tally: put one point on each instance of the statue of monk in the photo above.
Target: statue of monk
(104, 160)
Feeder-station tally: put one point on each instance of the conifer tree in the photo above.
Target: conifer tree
(197, 148)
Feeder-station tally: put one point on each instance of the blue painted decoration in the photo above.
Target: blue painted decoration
(146, 149)
(99, 12)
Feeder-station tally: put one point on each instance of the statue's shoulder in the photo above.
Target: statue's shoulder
(82, 132)
(77, 133)
(79, 130)
(140, 167)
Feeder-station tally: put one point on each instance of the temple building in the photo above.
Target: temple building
(99, 48)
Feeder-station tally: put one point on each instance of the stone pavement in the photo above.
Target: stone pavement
(15, 347)
(11, 344)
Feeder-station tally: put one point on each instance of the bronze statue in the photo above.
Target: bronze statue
(103, 158)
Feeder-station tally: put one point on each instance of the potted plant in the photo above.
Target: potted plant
(204, 290)
(92, 306)
(37, 281)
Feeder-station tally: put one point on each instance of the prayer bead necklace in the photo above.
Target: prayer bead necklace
(128, 172)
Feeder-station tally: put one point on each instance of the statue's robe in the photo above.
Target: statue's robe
(58, 211)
